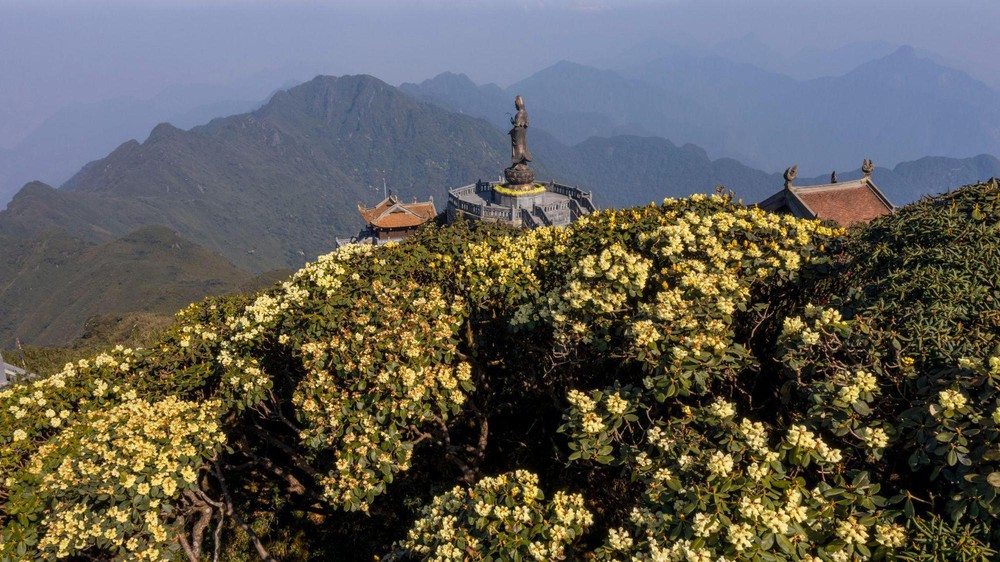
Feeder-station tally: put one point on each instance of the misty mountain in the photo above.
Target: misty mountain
(629, 170)
(896, 108)
(458, 93)
(815, 63)
(273, 187)
(570, 123)
(804, 64)
(79, 133)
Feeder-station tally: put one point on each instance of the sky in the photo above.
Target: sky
(56, 53)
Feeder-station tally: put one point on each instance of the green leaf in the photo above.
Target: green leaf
(994, 479)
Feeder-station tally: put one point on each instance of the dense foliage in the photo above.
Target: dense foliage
(694, 381)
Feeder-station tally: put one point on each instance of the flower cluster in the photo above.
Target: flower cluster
(390, 365)
(505, 517)
(805, 443)
(107, 480)
(718, 488)
(823, 321)
(597, 419)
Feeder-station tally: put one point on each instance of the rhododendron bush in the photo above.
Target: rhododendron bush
(690, 381)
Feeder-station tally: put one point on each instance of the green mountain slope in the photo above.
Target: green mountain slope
(273, 188)
(50, 286)
(269, 188)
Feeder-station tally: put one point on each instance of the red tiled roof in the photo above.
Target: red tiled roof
(390, 213)
(847, 203)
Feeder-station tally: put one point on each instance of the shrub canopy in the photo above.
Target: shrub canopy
(695, 380)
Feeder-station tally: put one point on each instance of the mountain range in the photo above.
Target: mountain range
(183, 214)
(736, 99)
(74, 135)
(895, 108)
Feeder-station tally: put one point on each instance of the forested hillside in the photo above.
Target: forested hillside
(695, 380)
(269, 188)
(54, 283)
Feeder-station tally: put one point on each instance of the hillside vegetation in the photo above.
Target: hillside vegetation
(50, 286)
(694, 381)
(273, 189)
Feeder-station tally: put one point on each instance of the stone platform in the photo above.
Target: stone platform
(550, 204)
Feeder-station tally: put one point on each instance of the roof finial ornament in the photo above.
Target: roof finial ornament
(790, 175)
(833, 177)
(867, 167)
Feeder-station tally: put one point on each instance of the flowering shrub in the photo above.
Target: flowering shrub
(500, 518)
(913, 377)
(669, 301)
(721, 487)
(658, 367)
(104, 479)
(390, 365)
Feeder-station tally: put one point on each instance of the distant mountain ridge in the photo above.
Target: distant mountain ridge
(737, 99)
(270, 188)
(896, 108)
(273, 188)
(76, 134)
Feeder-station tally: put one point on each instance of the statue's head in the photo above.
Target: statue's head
(519, 103)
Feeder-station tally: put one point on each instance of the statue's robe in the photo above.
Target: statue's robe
(519, 153)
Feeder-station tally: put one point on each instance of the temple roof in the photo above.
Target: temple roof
(847, 203)
(390, 213)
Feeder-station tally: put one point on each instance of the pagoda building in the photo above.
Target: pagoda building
(516, 198)
(391, 220)
(846, 203)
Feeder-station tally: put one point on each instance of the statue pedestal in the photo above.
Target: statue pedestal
(519, 175)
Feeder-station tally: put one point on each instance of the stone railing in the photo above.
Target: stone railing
(483, 186)
(527, 220)
(496, 212)
(540, 213)
(464, 190)
(482, 211)
(583, 198)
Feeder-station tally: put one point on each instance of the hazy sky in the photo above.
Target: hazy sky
(57, 52)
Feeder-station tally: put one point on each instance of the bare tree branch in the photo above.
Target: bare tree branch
(231, 511)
